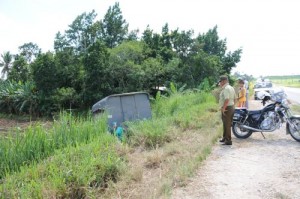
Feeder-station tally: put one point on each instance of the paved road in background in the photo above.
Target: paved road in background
(293, 94)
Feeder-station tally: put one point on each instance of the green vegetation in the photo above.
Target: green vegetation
(37, 143)
(74, 172)
(75, 157)
(96, 58)
(289, 80)
(181, 112)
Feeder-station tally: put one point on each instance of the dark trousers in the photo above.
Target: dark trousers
(227, 121)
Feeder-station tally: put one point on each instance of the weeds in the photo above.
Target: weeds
(76, 158)
(36, 143)
(74, 172)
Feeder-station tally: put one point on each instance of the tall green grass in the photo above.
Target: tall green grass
(73, 172)
(76, 158)
(37, 142)
(179, 110)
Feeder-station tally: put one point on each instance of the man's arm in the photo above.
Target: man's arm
(225, 106)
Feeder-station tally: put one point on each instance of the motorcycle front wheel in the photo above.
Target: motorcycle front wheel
(294, 129)
(240, 132)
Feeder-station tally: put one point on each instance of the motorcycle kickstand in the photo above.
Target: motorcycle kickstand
(263, 135)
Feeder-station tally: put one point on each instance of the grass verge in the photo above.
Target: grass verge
(78, 159)
(183, 131)
(74, 172)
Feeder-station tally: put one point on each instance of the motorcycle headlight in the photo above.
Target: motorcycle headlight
(285, 103)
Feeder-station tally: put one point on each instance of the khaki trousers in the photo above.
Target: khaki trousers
(227, 121)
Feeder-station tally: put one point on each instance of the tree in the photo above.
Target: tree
(204, 66)
(154, 72)
(212, 45)
(95, 63)
(69, 69)
(133, 35)
(125, 68)
(30, 51)
(26, 100)
(114, 28)
(6, 63)
(82, 33)
(166, 51)
(20, 70)
(230, 60)
(182, 42)
(153, 43)
(60, 42)
(44, 73)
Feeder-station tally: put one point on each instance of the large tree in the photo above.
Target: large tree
(82, 33)
(114, 28)
(125, 68)
(44, 73)
(20, 70)
(152, 40)
(182, 42)
(6, 63)
(30, 51)
(95, 63)
(166, 48)
(69, 69)
(213, 45)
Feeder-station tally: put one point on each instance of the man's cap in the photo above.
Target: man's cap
(223, 77)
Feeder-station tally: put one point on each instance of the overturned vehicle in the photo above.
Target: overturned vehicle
(124, 107)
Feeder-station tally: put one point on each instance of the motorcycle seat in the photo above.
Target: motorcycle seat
(254, 112)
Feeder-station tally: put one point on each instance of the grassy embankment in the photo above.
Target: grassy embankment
(289, 81)
(77, 158)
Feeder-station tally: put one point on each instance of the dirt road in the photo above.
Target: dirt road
(250, 168)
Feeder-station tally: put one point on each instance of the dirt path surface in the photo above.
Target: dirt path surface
(250, 168)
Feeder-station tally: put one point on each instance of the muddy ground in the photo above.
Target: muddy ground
(6, 124)
(250, 168)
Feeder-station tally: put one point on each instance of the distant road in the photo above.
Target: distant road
(293, 94)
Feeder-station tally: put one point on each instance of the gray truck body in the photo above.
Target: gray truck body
(124, 107)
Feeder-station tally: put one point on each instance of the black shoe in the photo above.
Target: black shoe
(222, 140)
(227, 143)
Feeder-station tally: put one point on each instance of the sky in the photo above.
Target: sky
(268, 31)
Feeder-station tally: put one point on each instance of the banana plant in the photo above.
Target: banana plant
(7, 96)
(17, 97)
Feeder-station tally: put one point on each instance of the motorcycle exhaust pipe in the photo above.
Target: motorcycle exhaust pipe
(254, 129)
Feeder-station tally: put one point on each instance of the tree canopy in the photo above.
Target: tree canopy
(95, 58)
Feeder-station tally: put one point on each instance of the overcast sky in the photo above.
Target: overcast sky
(268, 31)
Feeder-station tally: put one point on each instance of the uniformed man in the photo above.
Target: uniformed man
(226, 102)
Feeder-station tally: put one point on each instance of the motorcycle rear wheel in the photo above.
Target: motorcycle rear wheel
(295, 133)
(239, 132)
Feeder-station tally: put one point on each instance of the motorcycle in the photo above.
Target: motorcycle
(270, 118)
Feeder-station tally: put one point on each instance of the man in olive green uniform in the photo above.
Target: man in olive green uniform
(226, 102)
